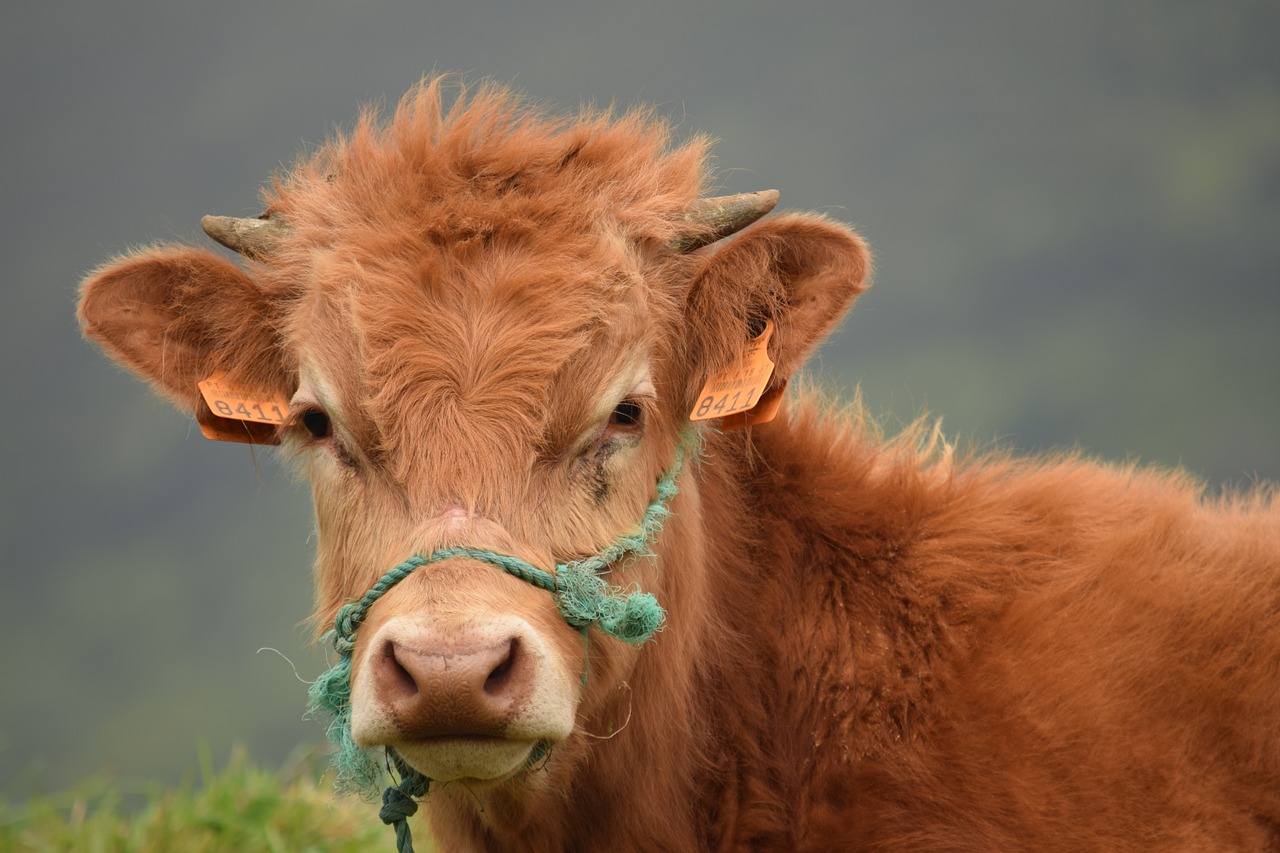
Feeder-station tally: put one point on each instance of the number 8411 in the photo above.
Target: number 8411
(709, 406)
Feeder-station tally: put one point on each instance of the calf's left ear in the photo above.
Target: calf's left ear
(800, 271)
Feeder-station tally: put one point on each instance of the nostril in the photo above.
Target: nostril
(499, 678)
(394, 674)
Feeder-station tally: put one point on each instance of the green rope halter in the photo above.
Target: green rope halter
(582, 596)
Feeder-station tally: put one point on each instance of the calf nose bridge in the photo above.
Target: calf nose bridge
(463, 683)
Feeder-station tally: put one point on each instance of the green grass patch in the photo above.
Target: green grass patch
(242, 808)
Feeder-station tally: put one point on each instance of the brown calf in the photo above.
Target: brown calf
(490, 327)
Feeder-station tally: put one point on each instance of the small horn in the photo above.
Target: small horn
(253, 238)
(725, 215)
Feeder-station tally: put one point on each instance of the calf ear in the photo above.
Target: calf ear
(800, 271)
(174, 315)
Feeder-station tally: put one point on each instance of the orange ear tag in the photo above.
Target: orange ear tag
(740, 393)
(225, 413)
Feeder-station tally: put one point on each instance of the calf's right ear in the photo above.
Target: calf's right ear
(174, 315)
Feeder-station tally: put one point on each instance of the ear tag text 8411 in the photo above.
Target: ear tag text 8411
(740, 393)
(226, 413)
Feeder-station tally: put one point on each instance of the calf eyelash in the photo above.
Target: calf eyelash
(629, 414)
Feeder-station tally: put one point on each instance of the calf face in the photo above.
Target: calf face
(489, 332)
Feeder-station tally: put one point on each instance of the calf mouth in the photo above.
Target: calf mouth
(472, 758)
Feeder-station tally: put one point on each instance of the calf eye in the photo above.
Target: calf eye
(317, 423)
(627, 414)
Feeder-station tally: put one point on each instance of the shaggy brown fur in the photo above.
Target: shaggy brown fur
(871, 645)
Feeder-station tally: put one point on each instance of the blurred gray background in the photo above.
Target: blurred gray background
(1075, 209)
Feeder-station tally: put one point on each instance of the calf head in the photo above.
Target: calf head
(490, 328)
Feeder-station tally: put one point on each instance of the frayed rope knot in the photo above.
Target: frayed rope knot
(585, 599)
(582, 596)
